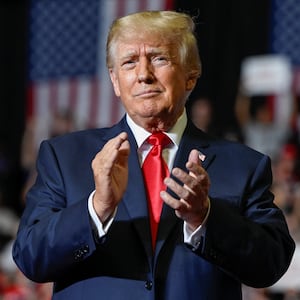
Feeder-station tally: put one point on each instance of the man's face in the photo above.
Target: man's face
(151, 82)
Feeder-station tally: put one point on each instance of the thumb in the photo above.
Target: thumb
(192, 161)
(194, 156)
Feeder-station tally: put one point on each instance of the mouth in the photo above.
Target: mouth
(148, 93)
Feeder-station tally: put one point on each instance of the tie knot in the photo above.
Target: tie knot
(159, 139)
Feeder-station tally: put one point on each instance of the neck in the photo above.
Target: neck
(152, 124)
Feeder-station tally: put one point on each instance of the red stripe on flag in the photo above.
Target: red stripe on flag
(120, 8)
(93, 114)
(142, 5)
(169, 4)
(73, 94)
(271, 105)
(115, 108)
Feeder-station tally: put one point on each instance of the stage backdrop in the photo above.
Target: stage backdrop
(66, 62)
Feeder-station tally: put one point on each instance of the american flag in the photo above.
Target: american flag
(285, 39)
(285, 29)
(66, 59)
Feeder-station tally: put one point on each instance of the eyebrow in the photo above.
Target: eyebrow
(152, 51)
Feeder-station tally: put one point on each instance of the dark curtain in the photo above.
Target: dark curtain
(12, 98)
(227, 32)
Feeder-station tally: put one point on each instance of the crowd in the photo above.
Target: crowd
(13, 284)
(286, 188)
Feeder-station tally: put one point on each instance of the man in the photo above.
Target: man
(86, 224)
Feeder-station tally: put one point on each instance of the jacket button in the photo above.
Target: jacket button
(80, 253)
(148, 285)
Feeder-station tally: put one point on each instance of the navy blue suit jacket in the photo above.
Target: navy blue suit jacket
(246, 237)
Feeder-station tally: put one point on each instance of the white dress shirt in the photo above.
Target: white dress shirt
(141, 135)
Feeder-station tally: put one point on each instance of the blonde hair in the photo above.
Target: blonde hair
(178, 28)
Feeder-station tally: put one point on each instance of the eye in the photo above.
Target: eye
(128, 64)
(160, 60)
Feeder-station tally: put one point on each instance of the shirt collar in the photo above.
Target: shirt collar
(175, 133)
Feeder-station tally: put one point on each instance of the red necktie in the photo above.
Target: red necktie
(155, 170)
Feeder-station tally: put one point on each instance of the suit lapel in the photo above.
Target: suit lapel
(134, 199)
(136, 202)
(192, 138)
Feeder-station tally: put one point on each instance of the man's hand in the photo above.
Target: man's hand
(193, 204)
(110, 168)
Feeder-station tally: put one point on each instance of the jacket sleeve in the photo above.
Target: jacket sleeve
(54, 233)
(250, 240)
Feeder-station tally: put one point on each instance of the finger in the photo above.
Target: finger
(169, 200)
(178, 189)
(181, 207)
(124, 146)
(123, 153)
(194, 157)
(192, 185)
(118, 141)
(108, 155)
(191, 180)
(194, 162)
(112, 147)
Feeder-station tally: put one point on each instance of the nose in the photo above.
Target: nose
(145, 72)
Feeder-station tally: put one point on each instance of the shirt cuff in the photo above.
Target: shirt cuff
(193, 238)
(101, 228)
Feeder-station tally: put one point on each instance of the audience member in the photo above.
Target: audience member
(200, 111)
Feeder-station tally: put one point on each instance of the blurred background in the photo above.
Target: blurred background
(53, 80)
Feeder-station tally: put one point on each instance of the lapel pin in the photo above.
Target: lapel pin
(201, 156)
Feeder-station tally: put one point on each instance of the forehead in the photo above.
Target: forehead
(155, 43)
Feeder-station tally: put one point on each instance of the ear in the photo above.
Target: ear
(115, 82)
(190, 83)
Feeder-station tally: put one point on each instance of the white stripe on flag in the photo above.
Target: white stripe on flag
(63, 93)
(83, 103)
